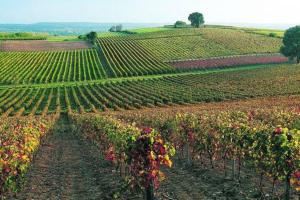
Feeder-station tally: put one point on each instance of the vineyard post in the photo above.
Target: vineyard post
(288, 187)
(187, 147)
(150, 191)
(233, 168)
(122, 166)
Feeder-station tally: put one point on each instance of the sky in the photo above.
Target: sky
(149, 11)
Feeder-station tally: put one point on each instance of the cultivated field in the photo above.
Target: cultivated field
(49, 67)
(209, 113)
(190, 88)
(229, 61)
(41, 45)
(206, 43)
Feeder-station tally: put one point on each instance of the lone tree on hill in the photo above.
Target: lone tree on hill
(196, 19)
(92, 36)
(291, 44)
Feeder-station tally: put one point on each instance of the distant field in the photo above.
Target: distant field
(229, 61)
(180, 44)
(46, 67)
(63, 38)
(268, 81)
(41, 45)
(150, 30)
(22, 36)
(128, 58)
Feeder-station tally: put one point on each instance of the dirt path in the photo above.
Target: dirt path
(67, 168)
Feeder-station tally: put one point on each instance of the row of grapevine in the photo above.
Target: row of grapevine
(127, 58)
(139, 154)
(249, 140)
(19, 141)
(252, 141)
(163, 91)
(49, 67)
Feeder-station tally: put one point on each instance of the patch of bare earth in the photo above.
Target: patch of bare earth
(229, 61)
(42, 45)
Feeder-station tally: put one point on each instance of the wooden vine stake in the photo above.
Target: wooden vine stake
(150, 192)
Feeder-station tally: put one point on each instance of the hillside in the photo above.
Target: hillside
(196, 92)
(44, 79)
(188, 43)
(135, 53)
(164, 90)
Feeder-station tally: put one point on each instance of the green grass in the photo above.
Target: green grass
(23, 36)
(278, 33)
(261, 31)
(112, 34)
(72, 38)
(149, 30)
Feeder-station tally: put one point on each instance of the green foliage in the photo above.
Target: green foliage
(92, 36)
(272, 34)
(291, 43)
(196, 19)
(180, 24)
(23, 36)
(117, 28)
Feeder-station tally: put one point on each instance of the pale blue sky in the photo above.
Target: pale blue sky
(149, 11)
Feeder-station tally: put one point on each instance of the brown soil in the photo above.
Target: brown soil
(68, 168)
(229, 61)
(41, 45)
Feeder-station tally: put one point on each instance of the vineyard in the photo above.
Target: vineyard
(162, 91)
(175, 114)
(20, 140)
(244, 146)
(206, 43)
(181, 44)
(127, 58)
(41, 45)
(49, 67)
(230, 61)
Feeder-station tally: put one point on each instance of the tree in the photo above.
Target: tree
(92, 36)
(119, 28)
(112, 29)
(179, 24)
(291, 43)
(196, 19)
